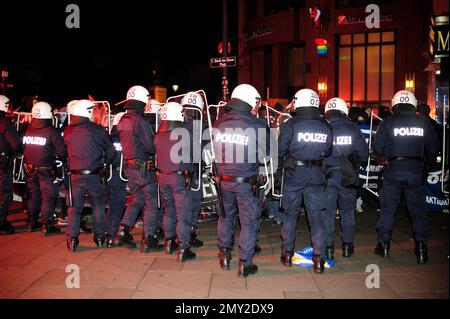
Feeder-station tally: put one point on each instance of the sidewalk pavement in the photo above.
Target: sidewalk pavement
(33, 266)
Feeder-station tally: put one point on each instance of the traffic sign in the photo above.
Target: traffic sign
(224, 62)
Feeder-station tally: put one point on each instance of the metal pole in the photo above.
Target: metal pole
(224, 49)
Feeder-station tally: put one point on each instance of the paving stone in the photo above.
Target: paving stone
(169, 263)
(56, 292)
(113, 293)
(17, 260)
(282, 282)
(303, 295)
(246, 294)
(174, 285)
(331, 287)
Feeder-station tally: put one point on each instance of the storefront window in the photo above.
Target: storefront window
(367, 67)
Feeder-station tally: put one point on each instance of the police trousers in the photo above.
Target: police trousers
(238, 199)
(314, 200)
(177, 203)
(116, 198)
(409, 182)
(42, 192)
(144, 196)
(6, 193)
(344, 199)
(81, 185)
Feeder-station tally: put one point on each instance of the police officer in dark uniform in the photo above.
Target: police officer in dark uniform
(305, 140)
(194, 99)
(409, 145)
(116, 188)
(89, 149)
(174, 154)
(136, 137)
(239, 153)
(348, 142)
(42, 142)
(9, 144)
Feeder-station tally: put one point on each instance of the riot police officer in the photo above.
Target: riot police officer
(9, 144)
(194, 99)
(42, 142)
(350, 146)
(116, 188)
(136, 137)
(240, 149)
(174, 154)
(89, 149)
(305, 140)
(409, 145)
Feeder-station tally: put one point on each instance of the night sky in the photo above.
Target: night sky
(118, 45)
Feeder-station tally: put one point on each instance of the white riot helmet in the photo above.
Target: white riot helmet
(42, 111)
(248, 94)
(306, 98)
(193, 99)
(83, 108)
(171, 111)
(70, 105)
(4, 103)
(138, 93)
(337, 104)
(404, 97)
(117, 118)
(152, 107)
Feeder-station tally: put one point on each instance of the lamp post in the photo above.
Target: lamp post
(224, 49)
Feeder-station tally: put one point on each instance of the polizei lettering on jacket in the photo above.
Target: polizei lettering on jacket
(408, 131)
(232, 138)
(312, 137)
(342, 140)
(34, 140)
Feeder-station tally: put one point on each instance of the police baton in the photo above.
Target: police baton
(69, 174)
(217, 184)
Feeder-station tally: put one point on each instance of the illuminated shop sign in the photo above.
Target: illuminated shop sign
(258, 32)
(441, 45)
(350, 19)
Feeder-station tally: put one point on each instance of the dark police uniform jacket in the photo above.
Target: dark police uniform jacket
(306, 137)
(41, 143)
(244, 134)
(347, 137)
(88, 145)
(407, 135)
(136, 136)
(9, 138)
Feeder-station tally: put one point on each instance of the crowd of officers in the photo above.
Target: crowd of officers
(318, 159)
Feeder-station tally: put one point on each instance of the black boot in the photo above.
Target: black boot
(421, 251)
(329, 252)
(347, 250)
(72, 244)
(171, 245)
(195, 242)
(6, 228)
(100, 240)
(34, 226)
(185, 254)
(319, 264)
(50, 230)
(150, 244)
(160, 233)
(110, 241)
(245, 270)
(286, 259)
(382, 249)
(125, 238)
(84, 228)
(225, 258)
(257, 249)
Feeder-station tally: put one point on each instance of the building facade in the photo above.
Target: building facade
(337, 48)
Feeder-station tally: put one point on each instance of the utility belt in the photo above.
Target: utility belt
(253, 181)
(5, 162)
(403, 158)
(186, 173)
(145, 167)
(317, 163)
(85, 171)
(30, 168)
